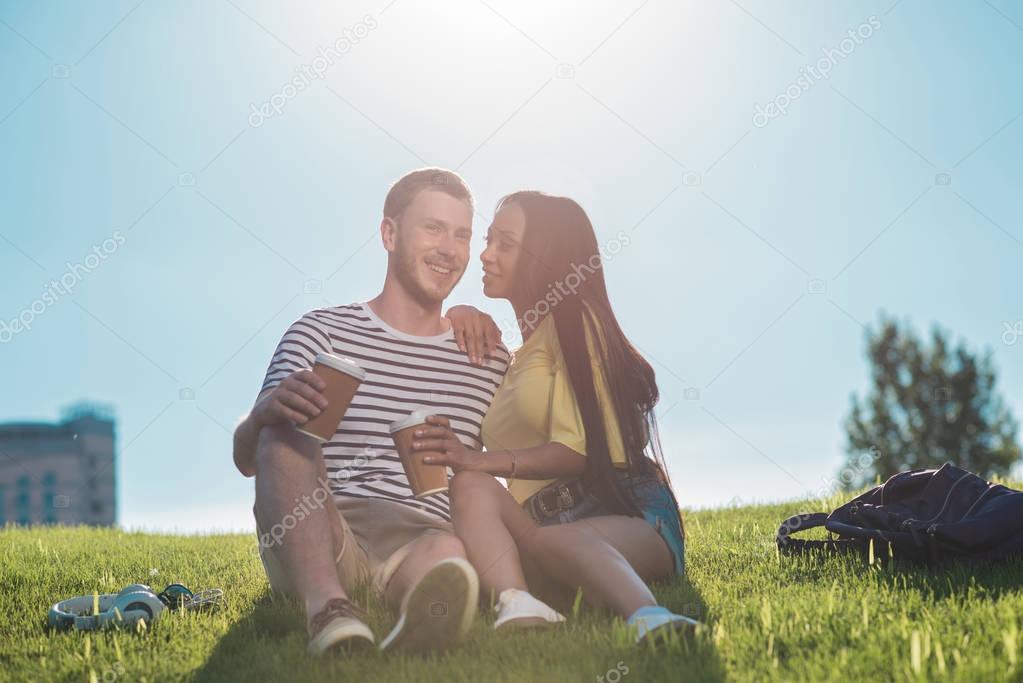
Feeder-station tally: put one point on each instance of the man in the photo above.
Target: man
(375, 530)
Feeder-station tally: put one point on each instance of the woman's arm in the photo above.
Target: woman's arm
(475, 332)
(549, 461)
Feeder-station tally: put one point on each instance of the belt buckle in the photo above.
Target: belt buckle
(543, 507)
(565, 499)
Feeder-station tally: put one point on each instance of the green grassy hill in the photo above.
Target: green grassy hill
(767, 618)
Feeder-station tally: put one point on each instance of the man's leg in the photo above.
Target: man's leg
(288, 468)
(436, 591)
(424, 555)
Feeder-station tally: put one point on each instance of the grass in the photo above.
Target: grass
(767, 618)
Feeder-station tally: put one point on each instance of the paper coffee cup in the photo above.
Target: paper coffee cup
(423, 479)
(343, 377)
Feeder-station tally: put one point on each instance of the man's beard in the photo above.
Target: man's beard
(405, 272)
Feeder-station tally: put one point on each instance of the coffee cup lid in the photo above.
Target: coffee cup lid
(417, 417)
(345, 365)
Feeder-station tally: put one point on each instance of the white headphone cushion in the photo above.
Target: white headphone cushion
(131, 607)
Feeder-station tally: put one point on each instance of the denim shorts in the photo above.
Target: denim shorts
(655, 501)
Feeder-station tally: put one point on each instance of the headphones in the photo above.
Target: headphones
(134, 603)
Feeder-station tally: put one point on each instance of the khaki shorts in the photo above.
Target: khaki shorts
(372, 538)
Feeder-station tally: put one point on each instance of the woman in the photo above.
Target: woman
(570, 429)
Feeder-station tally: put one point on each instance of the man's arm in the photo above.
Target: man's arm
(296, 400)
(246, 434)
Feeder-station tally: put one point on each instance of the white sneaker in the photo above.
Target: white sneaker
(439, 610)
(519, 609)
(655, 622)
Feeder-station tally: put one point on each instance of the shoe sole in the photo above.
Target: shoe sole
(439, 610)
(526, 623)
(344, 633)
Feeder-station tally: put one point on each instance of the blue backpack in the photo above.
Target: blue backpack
(920, 515)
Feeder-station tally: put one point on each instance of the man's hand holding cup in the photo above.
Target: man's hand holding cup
(297, 399)
(313, 400)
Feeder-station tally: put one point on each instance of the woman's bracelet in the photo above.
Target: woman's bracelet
(511, 476)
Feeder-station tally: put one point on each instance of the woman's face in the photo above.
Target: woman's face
(503, 253)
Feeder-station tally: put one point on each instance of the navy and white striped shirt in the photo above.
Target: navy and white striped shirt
(403, 372)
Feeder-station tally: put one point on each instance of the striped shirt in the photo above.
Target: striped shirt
(403, 372)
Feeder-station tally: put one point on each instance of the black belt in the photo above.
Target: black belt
(555, 498)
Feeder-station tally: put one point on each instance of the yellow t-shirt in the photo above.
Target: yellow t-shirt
(536, 405)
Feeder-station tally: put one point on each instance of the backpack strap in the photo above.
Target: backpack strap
(802, 522)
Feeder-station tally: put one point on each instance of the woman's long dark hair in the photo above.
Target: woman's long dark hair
(561, 271)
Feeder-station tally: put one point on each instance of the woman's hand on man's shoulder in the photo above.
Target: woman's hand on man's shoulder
(475, 332)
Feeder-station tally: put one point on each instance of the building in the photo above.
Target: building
(63, 473)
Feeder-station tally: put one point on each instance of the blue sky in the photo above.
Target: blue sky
(759, 248)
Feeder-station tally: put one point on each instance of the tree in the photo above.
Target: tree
(927, 405)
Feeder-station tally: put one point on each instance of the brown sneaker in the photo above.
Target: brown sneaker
(338, 623)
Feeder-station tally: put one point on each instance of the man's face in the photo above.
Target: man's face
(431, 245)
